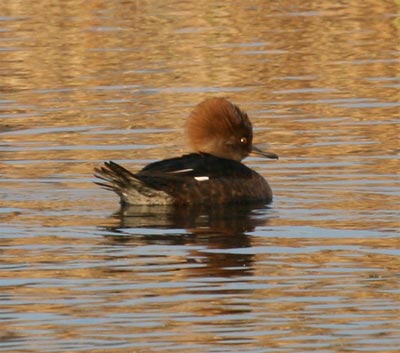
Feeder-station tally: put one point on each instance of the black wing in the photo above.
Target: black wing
(197, 165)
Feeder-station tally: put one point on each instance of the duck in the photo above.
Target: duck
(220, 136)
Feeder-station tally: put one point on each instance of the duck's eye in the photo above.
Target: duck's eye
(243, 140)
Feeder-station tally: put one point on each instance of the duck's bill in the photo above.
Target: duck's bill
(256, 151)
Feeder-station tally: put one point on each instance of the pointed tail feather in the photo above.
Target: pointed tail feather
(127, 185)
(114, 176)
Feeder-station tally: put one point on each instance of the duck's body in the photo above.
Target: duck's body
(196, 178)
(221, 135)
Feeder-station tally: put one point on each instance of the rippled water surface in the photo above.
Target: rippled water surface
(85, 82)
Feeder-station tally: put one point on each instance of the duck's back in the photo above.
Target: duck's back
(205, 179)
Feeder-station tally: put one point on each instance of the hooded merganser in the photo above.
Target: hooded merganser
(220, 135)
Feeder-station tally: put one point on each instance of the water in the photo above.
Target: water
(317, 271)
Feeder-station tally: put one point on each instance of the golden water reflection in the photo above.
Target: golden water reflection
(84, 82)
(199, 286)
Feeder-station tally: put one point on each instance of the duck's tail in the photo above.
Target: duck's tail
(128, 186)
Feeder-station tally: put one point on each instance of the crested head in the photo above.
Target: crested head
(218, 127)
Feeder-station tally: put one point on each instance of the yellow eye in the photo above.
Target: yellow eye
(243, 140)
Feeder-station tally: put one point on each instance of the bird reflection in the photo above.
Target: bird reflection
(220, 232)
(231, 220)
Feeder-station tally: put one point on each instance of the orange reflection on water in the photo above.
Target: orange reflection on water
(84, 82)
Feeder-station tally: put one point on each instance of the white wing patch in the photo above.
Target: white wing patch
(198, 178)
(202, 178)
(181, 171)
